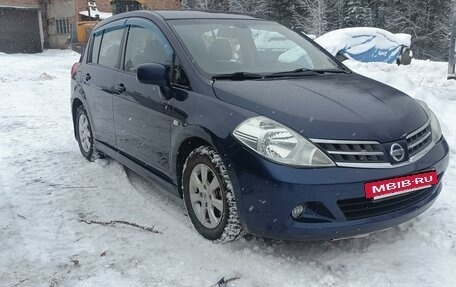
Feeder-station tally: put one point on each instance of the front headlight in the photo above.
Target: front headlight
(279, 143)
(435, 125)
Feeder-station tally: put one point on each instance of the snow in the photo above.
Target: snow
(311, 36)
(93, 14)
(267, 40)
(358, 40)
(293, 55)
(46, 187)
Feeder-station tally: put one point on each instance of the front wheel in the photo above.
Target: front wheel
(209, 197)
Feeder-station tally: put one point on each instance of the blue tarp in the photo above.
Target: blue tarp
(375, 55)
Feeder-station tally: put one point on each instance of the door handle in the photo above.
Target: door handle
(120, 88)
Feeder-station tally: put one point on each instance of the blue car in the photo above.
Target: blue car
(368, 44)
(283, 147)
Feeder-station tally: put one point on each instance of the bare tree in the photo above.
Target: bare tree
(428, 21)
(258, 7)
(311, 16)
(255, 7)
(214, 5)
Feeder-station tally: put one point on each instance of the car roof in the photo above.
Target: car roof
(166, 15)
(197, 14)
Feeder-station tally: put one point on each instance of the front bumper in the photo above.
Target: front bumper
(267, 192)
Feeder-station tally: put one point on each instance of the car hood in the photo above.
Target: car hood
(329, 106)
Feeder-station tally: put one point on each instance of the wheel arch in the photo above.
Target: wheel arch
(186, 142)
(74, 107)
(185, 148)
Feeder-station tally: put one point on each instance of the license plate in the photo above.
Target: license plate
(400, 185)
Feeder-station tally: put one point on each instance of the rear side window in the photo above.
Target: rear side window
(146, 46)
(110, 47)
(96, 48)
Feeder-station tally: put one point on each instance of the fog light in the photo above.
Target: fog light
(297, 211)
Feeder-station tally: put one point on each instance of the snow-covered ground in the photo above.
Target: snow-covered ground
(47, 187)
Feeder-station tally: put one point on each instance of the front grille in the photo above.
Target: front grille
(353, 152)
(419, 139)
(360, 208)
(370, 154)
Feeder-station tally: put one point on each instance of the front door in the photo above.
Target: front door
(141, 115)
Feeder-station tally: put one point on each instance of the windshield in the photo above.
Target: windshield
(248, 46)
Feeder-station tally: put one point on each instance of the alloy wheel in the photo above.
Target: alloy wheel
(205, 196)
(84, 133)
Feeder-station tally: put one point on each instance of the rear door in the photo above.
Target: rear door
(98, 77)
(142, 116)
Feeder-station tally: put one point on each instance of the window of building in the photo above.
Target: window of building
(121, 7)
(62, 26)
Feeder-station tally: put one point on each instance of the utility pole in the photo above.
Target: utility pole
(452, 55)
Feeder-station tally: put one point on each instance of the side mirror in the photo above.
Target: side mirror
(155, 74)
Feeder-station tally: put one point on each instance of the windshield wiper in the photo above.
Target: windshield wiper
(238, 76)
(304, 72)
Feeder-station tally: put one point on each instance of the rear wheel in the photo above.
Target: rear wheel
(209, 197)
(406, 57)
(84, 135)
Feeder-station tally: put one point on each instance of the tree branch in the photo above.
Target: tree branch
(113, 222)
(224, 282)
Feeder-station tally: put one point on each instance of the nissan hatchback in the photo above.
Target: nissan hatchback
(255, 139)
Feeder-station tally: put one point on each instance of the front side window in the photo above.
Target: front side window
(146, 46)
(221, 46)
(179, 77)
(110, 47)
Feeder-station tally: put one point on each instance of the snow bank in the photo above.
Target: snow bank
(424, 80)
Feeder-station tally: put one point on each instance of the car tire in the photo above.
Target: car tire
(84, 135)
(406, 57)
(209, 196)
